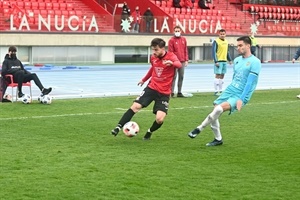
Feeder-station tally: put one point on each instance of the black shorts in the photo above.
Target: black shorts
(148, 95)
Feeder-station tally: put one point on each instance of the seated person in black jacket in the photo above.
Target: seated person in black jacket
(202, 4)
(12, 65)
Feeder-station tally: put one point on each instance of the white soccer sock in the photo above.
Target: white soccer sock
(216, 84)
(215, 126)
(221, 82)
(215, 114)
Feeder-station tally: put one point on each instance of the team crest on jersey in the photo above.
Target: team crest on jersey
(248, 63)
(159, 70)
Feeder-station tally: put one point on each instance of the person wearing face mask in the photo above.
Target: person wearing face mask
(136, 20)
(178, 45)
(12, 65)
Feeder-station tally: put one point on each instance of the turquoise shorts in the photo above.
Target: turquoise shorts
(230, 97)
(222, 69)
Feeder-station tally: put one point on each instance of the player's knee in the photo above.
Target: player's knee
(159, 120)
(136, 107)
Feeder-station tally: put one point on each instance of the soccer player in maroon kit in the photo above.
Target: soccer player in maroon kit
(161, 72)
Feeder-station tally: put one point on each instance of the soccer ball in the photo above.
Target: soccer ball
(40, 98)
(46, 99)
(131, 129)
(26, 99)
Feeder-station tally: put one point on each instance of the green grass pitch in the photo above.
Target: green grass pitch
(65, 151)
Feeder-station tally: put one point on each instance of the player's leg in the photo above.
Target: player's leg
(174, 82)
(160, 109)
(217, 72)
(221, 105)
(35, 78)
(19, 78)
(158, 122)
(223, 69)
(145, 98)
(215, 126)
(180, 80)
(135, 107)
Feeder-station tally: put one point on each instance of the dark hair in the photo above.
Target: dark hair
(177, 27)
(222, 30)
(12, 49)
(158, 42)
(245, 39)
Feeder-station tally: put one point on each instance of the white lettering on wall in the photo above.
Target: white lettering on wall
(74, 23)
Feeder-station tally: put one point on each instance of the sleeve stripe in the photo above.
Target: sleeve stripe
(254, 73)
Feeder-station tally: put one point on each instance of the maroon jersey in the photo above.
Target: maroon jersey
(161, 74)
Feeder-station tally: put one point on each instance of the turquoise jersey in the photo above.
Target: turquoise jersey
(241, 70)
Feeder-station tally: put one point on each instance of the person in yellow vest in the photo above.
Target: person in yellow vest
(254, 44)
(220, 54)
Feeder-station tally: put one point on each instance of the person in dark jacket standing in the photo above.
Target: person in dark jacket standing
(12, 65)
(125, 11)
(148, 16)
(178, 45)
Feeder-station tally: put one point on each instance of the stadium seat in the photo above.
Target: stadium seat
(57, 12)
(62, 6)
(55, 6)
(69, 6)
(34, 5)
(172, 10)
(20, 4)
(183, 11)
(48, 6)
(283, 28)
(42, 6)
(188, 11)
(10, 83)
(72, 12)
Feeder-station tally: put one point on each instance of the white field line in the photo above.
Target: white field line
(121, 111)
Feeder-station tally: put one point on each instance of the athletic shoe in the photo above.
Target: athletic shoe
(115, 131)
(194, 133)
(216, 93)
(172, 94)
(20, 94)
(46, 91)
(298, 96)
(180, 95)
(215, 142)
(147, 136)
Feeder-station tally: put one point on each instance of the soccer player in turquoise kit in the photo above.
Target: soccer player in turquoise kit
(161, 72)
(246, 72)
(220, 54)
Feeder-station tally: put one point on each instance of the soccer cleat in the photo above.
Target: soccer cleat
(115, 131)
(46, 91)
(147, 136)
(216, 93)
(20, 94)
(298, 96)
(180, 95)
(172, 94)
(215, 142)
(194, 133)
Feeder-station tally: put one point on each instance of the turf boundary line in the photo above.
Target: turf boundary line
(121, 111)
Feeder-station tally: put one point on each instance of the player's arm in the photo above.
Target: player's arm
(170, 45)
(214, 51)
(250, 80)
(146, 77)
(228, 55)
(186, 52)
